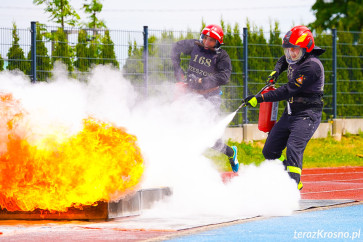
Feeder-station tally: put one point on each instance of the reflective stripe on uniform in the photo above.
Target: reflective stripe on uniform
(282, 158)
(300, 185)
(294, 169)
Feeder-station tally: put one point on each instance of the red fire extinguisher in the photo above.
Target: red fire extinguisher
(268, 113)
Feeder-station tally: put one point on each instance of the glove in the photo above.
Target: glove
(253, 100)
(193, 81)
(272, 78)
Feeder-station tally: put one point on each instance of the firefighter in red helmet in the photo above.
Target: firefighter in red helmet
(209, 68)
(304, 95)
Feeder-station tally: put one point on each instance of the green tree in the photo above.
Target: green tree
(81, 63)
(107, 53)
(1, 63)
(349, 75)
(275, 42)
(61, 50)
(324, 41)
(233, 91)
(134, 66)
(16, 57)
(94, 49)
(330, 13)
(260, 64)
(94, 7)
(44, 65)
(60, 11)
(276, 50)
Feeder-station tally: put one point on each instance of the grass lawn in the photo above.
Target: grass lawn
(318, 153)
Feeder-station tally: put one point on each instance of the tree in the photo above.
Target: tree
(108, 51)
(324, 40)
(348, 63)
(94, 7)
(82, 63)
(61, 50)
(275, 42)
(330, 13)
(60, 11)
(16, 57)
(1, 63)
(134, 66)
(276, 52)
(233, 91)
(44, 65)
(94, 49)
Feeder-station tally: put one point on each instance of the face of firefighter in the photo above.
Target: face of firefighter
(293, 55)
(209, 42)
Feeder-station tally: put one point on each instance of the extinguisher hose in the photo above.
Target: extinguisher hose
(243, 104)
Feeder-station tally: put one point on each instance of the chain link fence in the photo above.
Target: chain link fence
(145, 59)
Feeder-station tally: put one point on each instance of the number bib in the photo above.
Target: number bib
(202, 62)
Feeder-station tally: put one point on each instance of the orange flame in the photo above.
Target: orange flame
(100, 163)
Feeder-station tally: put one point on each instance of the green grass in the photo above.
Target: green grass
(319, 153)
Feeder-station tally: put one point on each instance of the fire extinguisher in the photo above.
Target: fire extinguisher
(268, 112)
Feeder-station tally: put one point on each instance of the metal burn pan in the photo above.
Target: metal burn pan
(129, 206)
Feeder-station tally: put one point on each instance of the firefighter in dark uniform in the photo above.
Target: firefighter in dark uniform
(209, 68)
(304, 95)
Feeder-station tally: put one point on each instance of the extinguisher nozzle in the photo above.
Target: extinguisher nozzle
(243, 104)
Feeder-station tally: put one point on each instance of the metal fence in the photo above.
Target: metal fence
(144, 58)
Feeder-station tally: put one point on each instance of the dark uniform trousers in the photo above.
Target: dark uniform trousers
(293, 132)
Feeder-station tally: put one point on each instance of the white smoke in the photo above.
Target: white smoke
(172, 134)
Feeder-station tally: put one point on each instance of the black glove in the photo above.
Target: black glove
(193, 81)
(272, 78)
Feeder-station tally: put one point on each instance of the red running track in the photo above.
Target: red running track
(328, 183)
(333, 183)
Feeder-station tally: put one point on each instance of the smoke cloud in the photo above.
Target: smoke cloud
(172, 134)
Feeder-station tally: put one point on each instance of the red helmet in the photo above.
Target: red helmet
(299, 36)
(214, 31)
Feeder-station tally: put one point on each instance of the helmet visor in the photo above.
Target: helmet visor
(293, 55)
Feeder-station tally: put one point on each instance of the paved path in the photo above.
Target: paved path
(335, 224)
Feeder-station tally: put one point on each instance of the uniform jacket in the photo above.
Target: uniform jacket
(214, 67)
(305, 80)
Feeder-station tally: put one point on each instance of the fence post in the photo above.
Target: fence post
(334, 72)
(33, 27)
(245, 70)
(146, 59)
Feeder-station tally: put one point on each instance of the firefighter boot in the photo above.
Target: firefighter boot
(233, 160)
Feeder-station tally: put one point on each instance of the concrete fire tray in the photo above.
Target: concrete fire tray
(129, 206)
